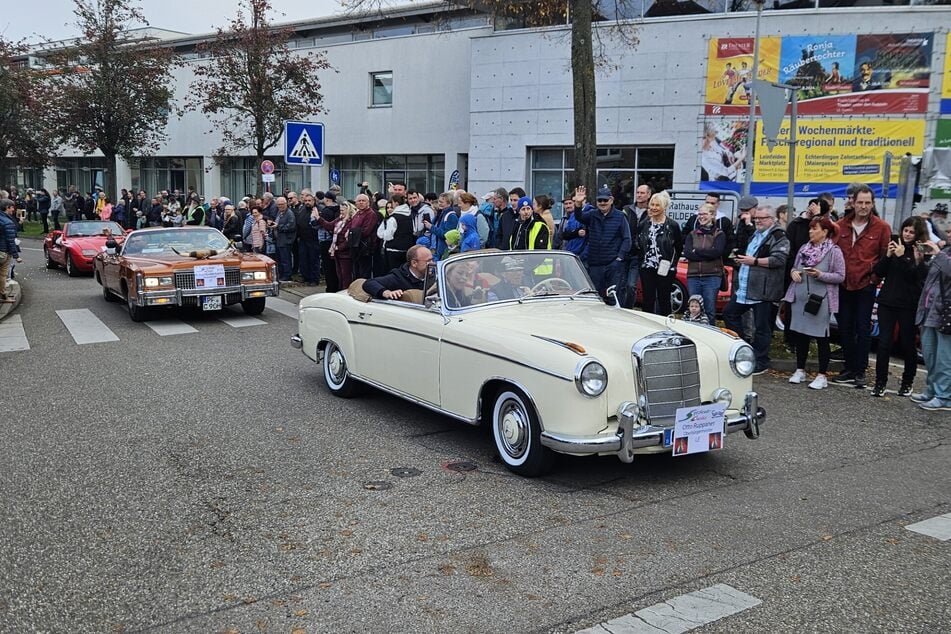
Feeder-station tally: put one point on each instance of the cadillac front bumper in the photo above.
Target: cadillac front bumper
(631, 435)
(173, 296)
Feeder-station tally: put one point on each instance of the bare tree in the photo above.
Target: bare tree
(111, 87)
(24, 131)
(253, 82)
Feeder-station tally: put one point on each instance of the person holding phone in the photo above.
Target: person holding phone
(904, 270)
(660, 244)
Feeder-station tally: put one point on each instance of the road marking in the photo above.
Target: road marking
(29, 249)
(85, 327)
(937, 527)
(240, 321)
(680, 614)
(168, 327)
(282, 306)
(12, 336)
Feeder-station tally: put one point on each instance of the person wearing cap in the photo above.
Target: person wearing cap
(660, 244)
(609, 239)
(512, 284)
(532, 230)
(758, 282)
(863, 238)
(9, 250)
(745, 227)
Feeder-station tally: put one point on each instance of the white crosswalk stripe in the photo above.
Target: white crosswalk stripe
(85, 327)
(282, 306)
(168, 327)
(12, 336)
(241, 321)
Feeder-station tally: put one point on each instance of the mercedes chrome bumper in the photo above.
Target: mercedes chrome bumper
(630, 437)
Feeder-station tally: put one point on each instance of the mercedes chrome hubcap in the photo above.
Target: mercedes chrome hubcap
(337, 366)
(513, 426)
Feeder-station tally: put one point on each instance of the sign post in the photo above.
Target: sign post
(267, 174)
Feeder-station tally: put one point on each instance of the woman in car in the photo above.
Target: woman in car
(904, 270)
(818, 270)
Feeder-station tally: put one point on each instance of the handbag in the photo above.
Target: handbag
(813, 300)
(355, 240)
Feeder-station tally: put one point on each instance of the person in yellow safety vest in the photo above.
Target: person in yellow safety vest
(532, 233)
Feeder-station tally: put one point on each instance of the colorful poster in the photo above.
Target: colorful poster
(942, 139)
(830, 154)
(838, 74)
(730, 70)
(946, 82)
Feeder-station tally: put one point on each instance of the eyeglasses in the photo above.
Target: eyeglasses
(604, 200)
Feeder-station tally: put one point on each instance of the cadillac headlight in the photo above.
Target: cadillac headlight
(151, 282)
(248, 276)
(591, 378)
(742, 359)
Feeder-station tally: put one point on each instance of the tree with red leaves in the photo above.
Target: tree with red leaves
(24, 133)
(252, 82)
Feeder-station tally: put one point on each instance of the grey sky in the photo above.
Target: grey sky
(54, 19)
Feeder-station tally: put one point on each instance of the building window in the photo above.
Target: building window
(621, 169)
(422, 172)
(381, 89)
(155, 174)
(241, 176)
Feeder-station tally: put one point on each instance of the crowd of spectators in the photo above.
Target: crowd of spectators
(814, 270)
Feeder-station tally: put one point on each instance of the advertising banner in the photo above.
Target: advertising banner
(946, 82)
(838, 74)
(941, 187)
(831, 153)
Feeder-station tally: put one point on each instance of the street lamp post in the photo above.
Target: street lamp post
(750, 134)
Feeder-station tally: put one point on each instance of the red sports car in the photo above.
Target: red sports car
(75, 246)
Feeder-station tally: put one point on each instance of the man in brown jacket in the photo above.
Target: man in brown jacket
(863, 238)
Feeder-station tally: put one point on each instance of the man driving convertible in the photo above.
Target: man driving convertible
(410, 275)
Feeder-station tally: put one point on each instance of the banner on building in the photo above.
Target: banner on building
(837, 74)
(941, 187)
(831, 153)
(946, 82)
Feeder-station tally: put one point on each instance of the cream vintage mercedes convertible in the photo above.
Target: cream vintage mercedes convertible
(520, 341)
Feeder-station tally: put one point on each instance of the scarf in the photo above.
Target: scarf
(341, 224)
(811, 254)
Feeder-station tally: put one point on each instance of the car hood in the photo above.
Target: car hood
(91, 242)
(594, 326)
(172, 261)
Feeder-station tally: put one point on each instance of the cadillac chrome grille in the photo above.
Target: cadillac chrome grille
(669, 375)
(185, 280)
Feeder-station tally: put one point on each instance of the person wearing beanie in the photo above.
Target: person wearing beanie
(532, 231)
(453, 237)
(695, 312)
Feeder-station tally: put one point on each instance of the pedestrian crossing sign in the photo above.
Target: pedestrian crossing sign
(303, 143)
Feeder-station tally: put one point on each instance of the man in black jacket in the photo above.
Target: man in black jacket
(409, 275)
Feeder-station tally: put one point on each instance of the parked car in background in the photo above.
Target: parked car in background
(195, 267)
(77, 244)
(521, 342)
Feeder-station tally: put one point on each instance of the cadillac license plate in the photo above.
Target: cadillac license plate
(211, 302)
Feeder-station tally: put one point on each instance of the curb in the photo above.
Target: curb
(13, 290)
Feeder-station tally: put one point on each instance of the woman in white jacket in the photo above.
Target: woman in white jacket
(396, 232)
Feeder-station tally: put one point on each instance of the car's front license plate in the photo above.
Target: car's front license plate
(669, 437)
(211, 302)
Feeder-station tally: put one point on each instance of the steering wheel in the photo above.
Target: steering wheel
(550, 285)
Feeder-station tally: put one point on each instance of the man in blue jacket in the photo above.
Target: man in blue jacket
(9, 251)
(609, 239)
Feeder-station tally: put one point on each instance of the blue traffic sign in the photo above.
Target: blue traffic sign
(303, 143)
(335, 176)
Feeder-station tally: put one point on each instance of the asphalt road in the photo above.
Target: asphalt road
(208, 481)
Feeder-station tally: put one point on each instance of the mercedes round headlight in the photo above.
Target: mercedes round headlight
(742, 359)
(591, 379)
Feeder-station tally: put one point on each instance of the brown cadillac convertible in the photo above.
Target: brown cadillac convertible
(195, 267)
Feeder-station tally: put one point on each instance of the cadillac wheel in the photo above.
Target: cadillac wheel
(516, 432)
(336, 374)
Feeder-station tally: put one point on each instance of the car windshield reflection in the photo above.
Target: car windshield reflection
(93, 228)
(173, 241)
(488, 278)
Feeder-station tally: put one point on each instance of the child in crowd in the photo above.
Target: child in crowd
(453, 238)
(468, 225)
(695, 312)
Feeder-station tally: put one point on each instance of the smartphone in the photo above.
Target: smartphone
(922, 247)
